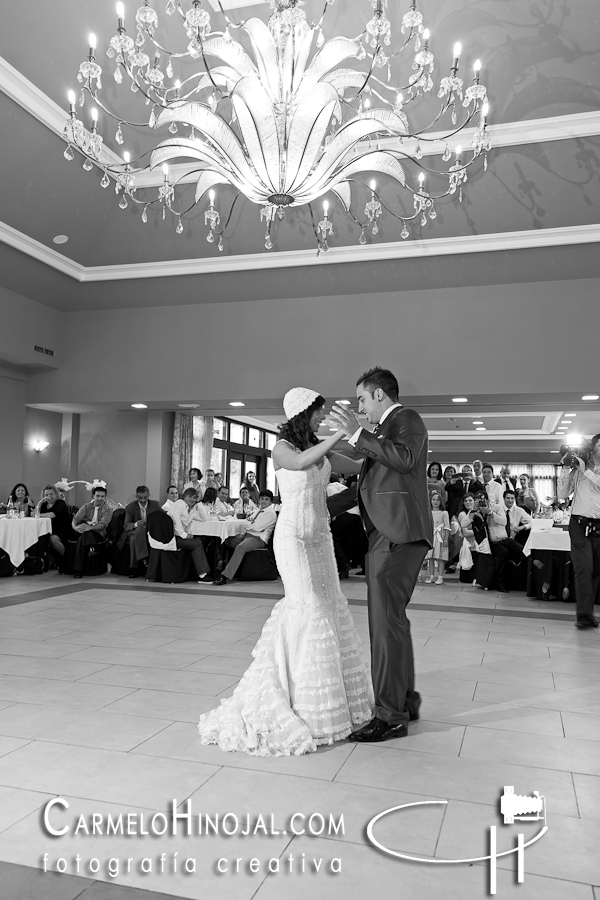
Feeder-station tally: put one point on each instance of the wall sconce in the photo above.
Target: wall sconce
(39, 445)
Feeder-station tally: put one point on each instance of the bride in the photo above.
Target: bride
(308, 683)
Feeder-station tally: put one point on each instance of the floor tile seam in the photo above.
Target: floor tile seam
(235, 768)
(169, 690)
(78, 680)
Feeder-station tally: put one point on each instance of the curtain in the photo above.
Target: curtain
(181, 455)
(203, 433)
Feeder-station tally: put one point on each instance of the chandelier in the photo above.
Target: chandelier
(294, 119)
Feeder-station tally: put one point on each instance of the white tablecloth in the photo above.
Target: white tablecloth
(16, 535)
(552, 539)
(222, 530)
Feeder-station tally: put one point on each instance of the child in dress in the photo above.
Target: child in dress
(439, 552)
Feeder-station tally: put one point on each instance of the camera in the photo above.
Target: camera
(569, 454)
(481, 504)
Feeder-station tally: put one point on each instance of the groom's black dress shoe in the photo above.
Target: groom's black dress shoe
(378, 730)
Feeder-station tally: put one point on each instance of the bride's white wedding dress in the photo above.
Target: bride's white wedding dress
(308, 683)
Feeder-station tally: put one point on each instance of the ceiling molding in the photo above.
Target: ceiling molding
(509, 134)
(478, 243)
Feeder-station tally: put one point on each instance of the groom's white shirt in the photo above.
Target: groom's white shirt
(352, 440)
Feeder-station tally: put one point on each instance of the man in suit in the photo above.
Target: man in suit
(134, 528)
(396, 512)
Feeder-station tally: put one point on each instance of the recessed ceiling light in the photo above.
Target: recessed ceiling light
(60, 239)
(478, 422)
(236, 403)
(188, 405)
(488, 451)
(459, 400)
(554, 451)
(139, 406)
(571, 414)
(566, 421)
(343, 402)
(481, 429)
(590, 397)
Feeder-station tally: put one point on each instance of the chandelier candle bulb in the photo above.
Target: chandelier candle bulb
(477, 70)
(211, 197)
(456, 60)
(458, 152)
(165, 169)
(421, 179)
(71, 98)
(94, 119)
(127, 157)
(373, 185)
(325, 208)
(426, 36)
(92, 43)
(121, 17)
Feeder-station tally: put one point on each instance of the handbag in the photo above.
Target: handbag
(465, 559)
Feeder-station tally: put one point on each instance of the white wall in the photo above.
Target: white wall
(498, 339)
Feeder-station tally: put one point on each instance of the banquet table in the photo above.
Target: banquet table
(550, 570)
(219, 529)
(16, 535)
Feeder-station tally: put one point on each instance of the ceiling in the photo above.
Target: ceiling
(532, 217)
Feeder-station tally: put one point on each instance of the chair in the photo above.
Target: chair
(95, 560)
(259, 565)
(167, 566)
(119, 559)
(6, 567)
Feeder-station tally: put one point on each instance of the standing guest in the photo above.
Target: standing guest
(21, 502)
(224, 507)
(455, 489)
(259, 532)
(183, 512)
(396, 513)
(493, 490)
(471, 482)
(477, 469)
(219, 479)
(526, 497)
(465, 520)
(134, 528)
(518, 520)
(506, 479)
(195, 483)
(584, 529)
(250, 483)
(435, 482)
(90, 522)
(172, 497)
(244, 507)
(439, 552)
(52, 507)
(210, 480)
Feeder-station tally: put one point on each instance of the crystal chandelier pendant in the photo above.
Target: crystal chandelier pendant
(88, 165)
(117, 75)
(119, 136)
(145, 215)
(170, 9)
(105, 180)
(173, 128)
(123, 202)
(363, 238)
(210, 237)
(179, 228)
(68, 154)
(220, 244)
(404, 233)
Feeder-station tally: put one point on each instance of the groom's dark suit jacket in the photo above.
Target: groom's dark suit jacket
(393, 495)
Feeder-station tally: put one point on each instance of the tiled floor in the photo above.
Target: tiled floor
(101, 685)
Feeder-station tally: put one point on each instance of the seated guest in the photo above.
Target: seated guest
(250, 483)
(525, 495)
(256, 537)
(195, 482)
(172, 497)
(21, 502)
(224, 507)
(502, 546)
(90, 521)
(244, 507)
(518, 519)
(465, 520)
(183, 512)
(52, 507)
(134, 528)
(209, 501)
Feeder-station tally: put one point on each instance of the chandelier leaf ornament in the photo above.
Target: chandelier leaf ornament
(284, 123)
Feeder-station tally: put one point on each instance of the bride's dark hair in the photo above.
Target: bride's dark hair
(297, 430)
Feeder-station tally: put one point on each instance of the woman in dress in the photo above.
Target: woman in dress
(526, 497)
(308, 684)
(21, 501)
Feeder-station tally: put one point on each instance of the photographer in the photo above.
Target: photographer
(503, 548)
(582, 479)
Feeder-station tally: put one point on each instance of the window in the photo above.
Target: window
(220, 430)
(254, 437)
(270, 439)
(236, 433)
(235, 477)
(218, 461)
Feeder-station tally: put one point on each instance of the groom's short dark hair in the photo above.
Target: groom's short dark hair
(380, 378)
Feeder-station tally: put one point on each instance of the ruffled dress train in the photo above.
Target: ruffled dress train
(308, 683)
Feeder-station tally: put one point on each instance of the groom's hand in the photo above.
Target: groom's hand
(344, 419)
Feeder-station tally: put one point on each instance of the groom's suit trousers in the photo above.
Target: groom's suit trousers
(392, 571)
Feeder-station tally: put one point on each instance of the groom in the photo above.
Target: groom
(395, 509)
